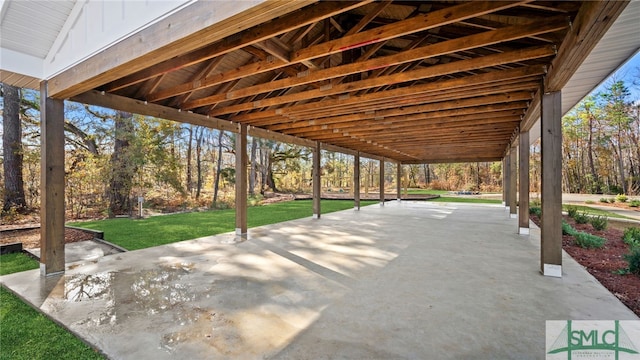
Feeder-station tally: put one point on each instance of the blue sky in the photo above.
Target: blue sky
(627, 72)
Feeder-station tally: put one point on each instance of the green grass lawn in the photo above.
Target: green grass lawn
(16, 262)
(165, 229)
(465, 200)
(26, 333)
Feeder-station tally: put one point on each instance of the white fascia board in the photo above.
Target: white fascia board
(21, 63)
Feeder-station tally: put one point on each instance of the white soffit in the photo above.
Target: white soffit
(618, 45)
(39, 38)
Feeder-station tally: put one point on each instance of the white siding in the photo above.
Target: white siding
(100, 23)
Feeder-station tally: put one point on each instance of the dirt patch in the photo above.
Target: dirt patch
(605, 263)
(30, 238)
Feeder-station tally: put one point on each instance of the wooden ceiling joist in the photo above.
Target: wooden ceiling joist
(404, 81)
(472, 41)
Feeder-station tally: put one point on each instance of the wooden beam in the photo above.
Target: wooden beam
(241, 181)
(397, 95)
(469, 42)
(423, 73)
(368, 110)
(484, 114)
(122, 103)
(228, 44)
(275, 136)
(413, 129)
(171, 37)
(317, 184)
(592, 21)
(429, 51)
(523, 189)
(443, 160)
(274, 49)
(52, 184)
(452, 108)
(551, 231)
(415, 24)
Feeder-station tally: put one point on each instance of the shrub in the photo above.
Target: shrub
(567, 229)
(535, 203)
(589, 202)
(621, 198)
(633, 258)
(631, 236)
(534, 210)
(612, 200)
(604, 200)
(634, 203)
(581, 218)
(572, 211)
(588, 241)
(599, 222)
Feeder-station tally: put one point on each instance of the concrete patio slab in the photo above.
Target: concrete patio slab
(407, 280)
(82, 251)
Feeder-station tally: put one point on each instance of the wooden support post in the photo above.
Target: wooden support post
(381, 182)
(506, 174)
(399, 181)
(356, 181)
(551, 232)
(504, 181)
(241, 181)
(317, 190)
(523, 168)
(52, 184)
(513, 182)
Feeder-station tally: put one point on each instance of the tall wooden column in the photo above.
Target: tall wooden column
(356, 181)
(504, 181)
(551, 232)
(523, 204)
(381, 182)
(241, 181)
(399, 181)
(51, 184)
(506, 173)
(513, 182)
(316, 181)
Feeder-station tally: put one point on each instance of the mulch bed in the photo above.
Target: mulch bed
(605, 263)
(30, 238)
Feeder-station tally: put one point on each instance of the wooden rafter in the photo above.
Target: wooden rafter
(404, 81)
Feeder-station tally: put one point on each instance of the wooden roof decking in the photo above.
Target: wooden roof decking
(413, 82)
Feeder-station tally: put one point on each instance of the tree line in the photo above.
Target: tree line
(114, 157)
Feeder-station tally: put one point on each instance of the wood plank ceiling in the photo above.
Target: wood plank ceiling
(414, 82)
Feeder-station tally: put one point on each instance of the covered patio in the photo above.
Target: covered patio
(402, 82)
(399, 82)
(394, 282)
